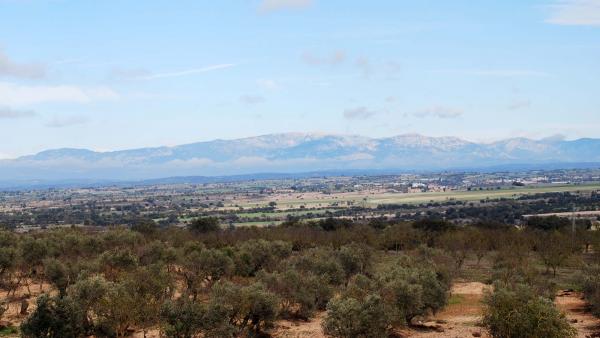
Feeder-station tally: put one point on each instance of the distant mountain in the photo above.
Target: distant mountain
(296, 152)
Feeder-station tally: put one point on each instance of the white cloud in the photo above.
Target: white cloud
(18, 95)
(9, 113)
(28, 71)
(358, 113)
(335, 58)
(66, 121)
(186, 72)
(575, 12)
(439, 112)
(267, 6)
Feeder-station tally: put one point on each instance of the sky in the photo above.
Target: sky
(111, 74)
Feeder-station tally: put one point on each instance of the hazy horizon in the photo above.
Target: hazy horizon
(556, 137)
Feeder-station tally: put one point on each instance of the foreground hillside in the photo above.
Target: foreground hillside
(335, 278)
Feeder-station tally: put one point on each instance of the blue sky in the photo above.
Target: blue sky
(111, 74)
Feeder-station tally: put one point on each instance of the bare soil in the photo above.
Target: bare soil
(575, 308)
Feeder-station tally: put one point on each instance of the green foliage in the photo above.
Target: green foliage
(349, 317)
(320, 262)
(181, 318)
(354, 259)
(254, 255)
(54, 317)
(56, 272)
(590, 283)
(554, 248)
(519, 313)
(432, 225)
(202, 268)
(412, 288)
(116, 262)
(251, 308)
(300, 294)
(548, 223)
(204, 225)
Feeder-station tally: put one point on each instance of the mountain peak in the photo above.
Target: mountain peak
(296, 152)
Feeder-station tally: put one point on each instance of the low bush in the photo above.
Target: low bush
(517, 312)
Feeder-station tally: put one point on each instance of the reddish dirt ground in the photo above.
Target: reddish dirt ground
(459, 319)
(576, 310)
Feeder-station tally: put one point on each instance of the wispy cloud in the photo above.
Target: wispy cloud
(335, 58)
(441, 112)
(10, 113)
(575, 12)
(11, 68)
(268, 84)
(494, 72)
(358, 113)
(268, 6)
(518, 104)
(252, 99)
(19, 95)
(186, 72)
(66, 121)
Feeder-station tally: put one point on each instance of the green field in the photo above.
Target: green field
(372, 200)
(475, 195)
(284, 214)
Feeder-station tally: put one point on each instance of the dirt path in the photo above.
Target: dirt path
(575, 308)
(459, 318)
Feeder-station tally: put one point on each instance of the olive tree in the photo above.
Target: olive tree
(517, 312)
(349, 317)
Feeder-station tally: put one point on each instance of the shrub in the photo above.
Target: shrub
(591, 287)
(519, 313)
(354, 259)
(255, 255)
(204, 225)
(320, 262)
(412, 289)
(54, 317)
(181, 318)
(349, 317)
(300, 294)
(251, 308)
(204, 268)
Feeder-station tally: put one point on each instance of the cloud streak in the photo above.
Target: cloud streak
(575, 13)
(18, 95)
(495, 72)
(358, 113)
(66, 121)
(187, 72)
(9, 68)
(439, 112)
(337, 57)
(9, 113)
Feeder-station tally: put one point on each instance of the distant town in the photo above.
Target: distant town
(460, 197)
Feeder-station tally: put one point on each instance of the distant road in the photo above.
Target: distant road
(578, 214)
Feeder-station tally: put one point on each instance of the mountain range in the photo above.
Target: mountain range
(295, 153)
